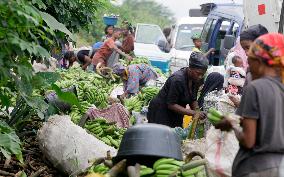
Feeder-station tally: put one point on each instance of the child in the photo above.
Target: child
(235, 77)
(196, 38)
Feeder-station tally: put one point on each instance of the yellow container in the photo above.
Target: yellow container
(186, 121)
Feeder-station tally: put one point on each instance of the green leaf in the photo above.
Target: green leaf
(67, 97)
(10, 144)
(4, 127)
(6, 153)
(38, 104)
(55, 25)
(49, 77)
(40, 4)
(41, 51)
(23, 174)
(5, 101)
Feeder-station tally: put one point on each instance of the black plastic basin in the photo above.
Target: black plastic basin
(145, 143)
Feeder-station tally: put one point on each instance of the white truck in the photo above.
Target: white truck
(269, 13)
(181, 41)
(147, 38)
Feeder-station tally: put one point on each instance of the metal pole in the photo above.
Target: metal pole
(281, 22)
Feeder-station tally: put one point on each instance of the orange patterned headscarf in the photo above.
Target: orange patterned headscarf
(270, 48)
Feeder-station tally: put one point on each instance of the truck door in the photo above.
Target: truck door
(214, 37)
(207, 32)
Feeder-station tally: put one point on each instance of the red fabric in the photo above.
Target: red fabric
(269, 47)
(128, 44)
(115, 113)
(104, 52)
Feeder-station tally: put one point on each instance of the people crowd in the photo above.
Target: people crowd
(254, 71)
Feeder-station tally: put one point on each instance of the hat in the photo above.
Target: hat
(118, 69)
(198, 60)
(196, 36)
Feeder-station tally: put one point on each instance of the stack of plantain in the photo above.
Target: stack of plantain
(107, 132)
(100, 169)
(214, 116)
(147, 94)
(133, 104)
(92, 89)
(165, 167)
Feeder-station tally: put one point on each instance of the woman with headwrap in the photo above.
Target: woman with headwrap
(169, 106)
(261, 137)
(246, 39)
(214, 81)
(134, 76)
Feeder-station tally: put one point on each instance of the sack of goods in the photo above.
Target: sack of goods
(69, 147)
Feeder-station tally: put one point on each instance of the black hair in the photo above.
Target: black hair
(167, 31)
(106, 28)
(253, 32)
(117, 29)
(235, 59)
(68, 55)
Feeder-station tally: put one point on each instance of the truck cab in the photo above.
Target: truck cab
(149, 41)
(181, 41)
(221, 29)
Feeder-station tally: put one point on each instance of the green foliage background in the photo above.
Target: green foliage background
(134, 11)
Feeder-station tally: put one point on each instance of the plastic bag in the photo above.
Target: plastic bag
(221, 149)
(116, 91)
(68, 146)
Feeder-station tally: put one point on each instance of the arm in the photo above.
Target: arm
(247, 136)
(115, 48)
(194, 105)
(180, 110)
(87, 62)
(209, 52)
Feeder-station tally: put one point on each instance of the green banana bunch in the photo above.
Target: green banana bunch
(100, 169)
(197, 171)
(140, 60)
(166, 166)
(148, 93)
(214, 116)
(145, 171)
(133, 104)
(109, 133)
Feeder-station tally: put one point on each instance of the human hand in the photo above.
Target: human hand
(235, 100)
(129, 58)
(224, 125)
(212, 50)
(201, 115)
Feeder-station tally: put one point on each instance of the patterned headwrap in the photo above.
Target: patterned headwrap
(270, 48)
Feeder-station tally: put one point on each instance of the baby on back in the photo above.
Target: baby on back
(235, 76)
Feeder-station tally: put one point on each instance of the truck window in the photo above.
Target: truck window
(184, 34)
(235, 29)
(222, 32)
(149, 34)
(208, 29)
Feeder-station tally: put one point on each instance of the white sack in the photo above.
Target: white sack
(68, 146)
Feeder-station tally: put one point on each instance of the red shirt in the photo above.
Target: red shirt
(104, 52)
(128, 44)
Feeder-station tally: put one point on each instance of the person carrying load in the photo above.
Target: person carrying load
(101, 57)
